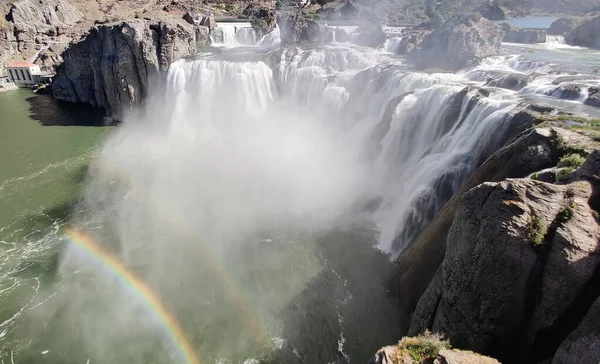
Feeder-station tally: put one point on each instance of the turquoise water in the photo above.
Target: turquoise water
(536, 22)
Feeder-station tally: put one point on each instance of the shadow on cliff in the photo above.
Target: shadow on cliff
(49, 111)
(344, 314)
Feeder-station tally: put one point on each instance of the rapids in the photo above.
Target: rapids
(261, 195)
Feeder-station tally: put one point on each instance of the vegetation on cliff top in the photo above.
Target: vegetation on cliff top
(422, 347)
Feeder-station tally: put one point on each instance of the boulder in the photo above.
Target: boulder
(586, 35)
(583, 344)
(411, 41)
(567, 91)
(526, 36)
(593, 98)
(263, 20)
(563, 26)
(515, 81)
(458, 44)
(492, 12)
(542, 239)
(112, 66)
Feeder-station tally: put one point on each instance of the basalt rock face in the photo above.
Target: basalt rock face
(113, 65)
(458, 44)
(541, 239)
(509, 268)
(586, 34)
(583, 345)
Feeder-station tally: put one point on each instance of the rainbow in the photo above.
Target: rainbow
(212, 261)
(87, 245)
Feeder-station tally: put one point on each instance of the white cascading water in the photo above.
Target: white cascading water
(555, 39)
(392, 44)
(233, 34)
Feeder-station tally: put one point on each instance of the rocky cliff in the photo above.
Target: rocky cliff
(113, 65)
(510, 268)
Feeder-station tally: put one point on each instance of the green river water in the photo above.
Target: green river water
(43, 162)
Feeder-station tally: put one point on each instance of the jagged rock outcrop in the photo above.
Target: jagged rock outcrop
(526, 36)
(113, 65)
(458, 44)
(583, 344)
(542, 239)
(586, 35)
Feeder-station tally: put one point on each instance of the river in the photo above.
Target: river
(248, 212)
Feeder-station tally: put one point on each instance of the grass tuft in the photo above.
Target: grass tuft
(422, 347)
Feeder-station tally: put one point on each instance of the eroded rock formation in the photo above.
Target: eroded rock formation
(112, 66)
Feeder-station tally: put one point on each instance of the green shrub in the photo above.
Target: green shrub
(278, 4)
(229, 8)
(536, 229)
(571, 161)
(565, 213)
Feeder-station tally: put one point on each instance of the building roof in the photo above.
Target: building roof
(20, 64)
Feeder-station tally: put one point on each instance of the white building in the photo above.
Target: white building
(24, 74)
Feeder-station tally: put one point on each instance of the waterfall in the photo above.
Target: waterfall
(392, 44)
(435, 137)
(233, 34)
(555, 39)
